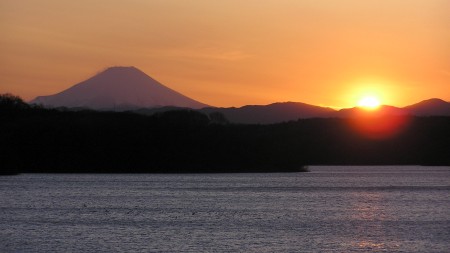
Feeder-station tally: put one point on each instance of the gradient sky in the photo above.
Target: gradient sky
(234, 52)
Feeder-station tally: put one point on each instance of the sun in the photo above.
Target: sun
(369, 102)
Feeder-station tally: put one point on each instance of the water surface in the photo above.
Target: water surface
(330, 209)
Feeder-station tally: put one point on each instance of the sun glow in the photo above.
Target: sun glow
(369, 102)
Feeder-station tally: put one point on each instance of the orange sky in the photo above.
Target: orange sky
(234, 52)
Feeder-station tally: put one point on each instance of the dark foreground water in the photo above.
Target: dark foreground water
(331, 209)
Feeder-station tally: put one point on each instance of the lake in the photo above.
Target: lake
(330, 209)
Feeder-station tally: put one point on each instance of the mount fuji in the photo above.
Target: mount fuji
(118, 88)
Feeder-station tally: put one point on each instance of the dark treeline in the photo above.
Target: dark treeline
(34, 139)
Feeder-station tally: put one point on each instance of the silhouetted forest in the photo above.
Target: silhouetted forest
(34, 139)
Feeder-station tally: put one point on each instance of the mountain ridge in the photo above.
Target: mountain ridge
(289, 111)
(129, 89)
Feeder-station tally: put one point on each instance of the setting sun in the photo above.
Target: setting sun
(369, 102)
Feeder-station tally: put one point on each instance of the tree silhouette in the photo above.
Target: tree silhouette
(12, 102)
(218, 118)
(34, 139)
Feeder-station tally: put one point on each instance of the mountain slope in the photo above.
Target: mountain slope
(430, 107)
(118, 88)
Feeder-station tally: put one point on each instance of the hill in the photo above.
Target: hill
(272, 113)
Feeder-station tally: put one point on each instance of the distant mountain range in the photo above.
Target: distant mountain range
(128, 88)
(430, 107)
(287, 111)
(293, 111)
